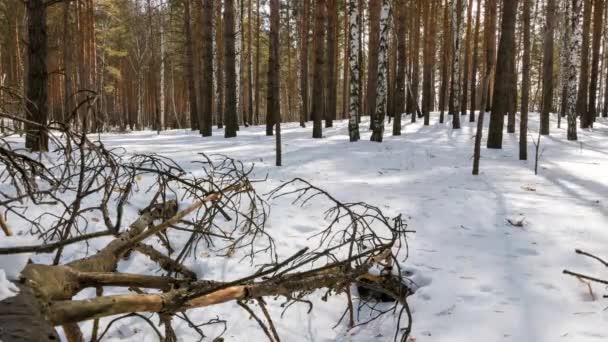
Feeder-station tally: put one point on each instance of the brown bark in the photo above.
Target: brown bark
(304, 25)
(372, 58)
(598, 12)
(504, 71)
(274, 86)
(583, 86)
(475, 63)
(466, 81)
(332, 47)
(190, 66)
(548, 68)
(207, 69)
(525, 88)
(230, 113)
(317, 89)
(36, 92)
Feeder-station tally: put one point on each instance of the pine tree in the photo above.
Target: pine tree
(274, 85)
(401, 25)
(583, 87)
(36, 137)
(230, 112)
(319, 52)
(525, 88)
(304, 23)
(502, 88)
(475, 62)
(598, 12)
(547, 68)
(207, 69)
(332, 47)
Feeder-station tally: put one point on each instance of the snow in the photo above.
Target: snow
(11, 265)
(479, 277)
(7, 289)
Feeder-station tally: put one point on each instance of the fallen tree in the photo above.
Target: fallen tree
(357, 245)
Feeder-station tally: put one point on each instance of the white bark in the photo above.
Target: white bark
(354, 69)
(573, 62)
(382, 85)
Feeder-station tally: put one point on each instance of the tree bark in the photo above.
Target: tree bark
(382, 87)
(401, 24)
(190, 66)
(525, 88)
(583, 86)
(230, 113)
(547, 68)
(475, 62)
(36, 137)
(274, 86)
(355, 71)
(317, 89)
(598, 12)
(573, 63)
(207, 70)
(330, 112)
(504, 71)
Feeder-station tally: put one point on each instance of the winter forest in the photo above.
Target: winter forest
(303, 170)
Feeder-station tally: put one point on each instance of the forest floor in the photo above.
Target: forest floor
(480, 277)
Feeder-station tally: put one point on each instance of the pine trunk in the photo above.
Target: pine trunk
(230, 113)
(547, 68)
(502, 88)
(317, 89)
(525, 87)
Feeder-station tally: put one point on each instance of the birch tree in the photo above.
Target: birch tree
(382, 85)
(573, 62)
(354, 71)
(457, 9)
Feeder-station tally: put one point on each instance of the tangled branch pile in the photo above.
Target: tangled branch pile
(213, 207)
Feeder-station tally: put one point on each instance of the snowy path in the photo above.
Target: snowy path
(482, 279)
(487, 280)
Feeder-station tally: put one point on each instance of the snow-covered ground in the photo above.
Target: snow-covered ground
(481, 278)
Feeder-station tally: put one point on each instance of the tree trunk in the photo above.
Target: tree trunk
(190, 66)
(355, 71)
(583, 87)
(547, 68)
(598, 13)
(467, 60)
(317, 90)
(457, 8)
(230, 115)
(273, 75)
(67, 62)
(207, 70)
(428, 56)
(304, 24)
(382, 87)
(36, 136)
(445, 61)
(504, 71)
(401, 24)
(525, 87)
(475, 66)
(219, 66)
(332, 25)
(572, 65)
(372, 58)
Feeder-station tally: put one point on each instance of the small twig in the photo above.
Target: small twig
(597, 280)
(269, 319)
(257, 319)
(578, 251)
